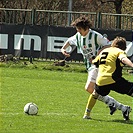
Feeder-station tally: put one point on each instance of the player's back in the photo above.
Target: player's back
(110, 66)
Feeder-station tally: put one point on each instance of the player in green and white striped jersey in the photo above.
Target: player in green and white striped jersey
(88, 45)
(89, 42)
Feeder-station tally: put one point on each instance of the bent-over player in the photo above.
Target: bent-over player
(110, 63)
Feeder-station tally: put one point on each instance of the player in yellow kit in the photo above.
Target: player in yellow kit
(110, 63)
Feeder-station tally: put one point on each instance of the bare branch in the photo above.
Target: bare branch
(110, 0)
(102, 2)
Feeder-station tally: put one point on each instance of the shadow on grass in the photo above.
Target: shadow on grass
(118, 121)
(123, 121)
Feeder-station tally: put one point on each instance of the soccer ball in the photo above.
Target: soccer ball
(31, 109)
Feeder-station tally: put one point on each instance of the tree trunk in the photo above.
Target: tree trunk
(118, 7)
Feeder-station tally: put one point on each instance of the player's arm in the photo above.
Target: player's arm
(63, 49)
(71, 41)
(103, 42)
(126, 61)
(106, 46)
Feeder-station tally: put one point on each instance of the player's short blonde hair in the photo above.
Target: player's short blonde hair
(119, 42)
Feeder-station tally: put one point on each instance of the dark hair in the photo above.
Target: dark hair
(82, 22)
(119, 42)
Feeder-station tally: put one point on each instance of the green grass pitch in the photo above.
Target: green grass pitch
(61, 99)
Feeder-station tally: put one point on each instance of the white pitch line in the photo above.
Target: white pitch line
(4, 113)
(60, 114)
(52, 113)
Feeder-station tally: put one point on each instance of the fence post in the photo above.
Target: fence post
(69, 14)
(118, 22)
(99, 21)
(31, 50)
(7, 16)
(21, 47)
(33, 15)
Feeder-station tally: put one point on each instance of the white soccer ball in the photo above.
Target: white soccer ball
(31, 109)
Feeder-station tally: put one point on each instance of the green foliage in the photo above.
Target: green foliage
(61, 99)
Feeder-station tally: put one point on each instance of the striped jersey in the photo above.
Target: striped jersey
(89, 44)
(110, 65)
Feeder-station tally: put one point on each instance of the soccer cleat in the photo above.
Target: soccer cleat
(112, 109)
(86, 117)
(126, 113)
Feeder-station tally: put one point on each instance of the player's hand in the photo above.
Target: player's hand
(90, 60)
(65, 53)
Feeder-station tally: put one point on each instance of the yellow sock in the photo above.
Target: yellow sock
(91, 102)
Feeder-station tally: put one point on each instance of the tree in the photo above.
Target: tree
(118, 7)
(103, 6)
(117, 3)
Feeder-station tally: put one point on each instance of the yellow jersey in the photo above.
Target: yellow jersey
(110, 65)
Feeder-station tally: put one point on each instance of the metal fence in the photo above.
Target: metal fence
(64, 18)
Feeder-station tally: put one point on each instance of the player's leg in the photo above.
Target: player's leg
(111, 102)
(90, 104)
(90, 85)
(104, 90)
(124, 87)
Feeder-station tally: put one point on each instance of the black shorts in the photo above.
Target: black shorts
(121, 86)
